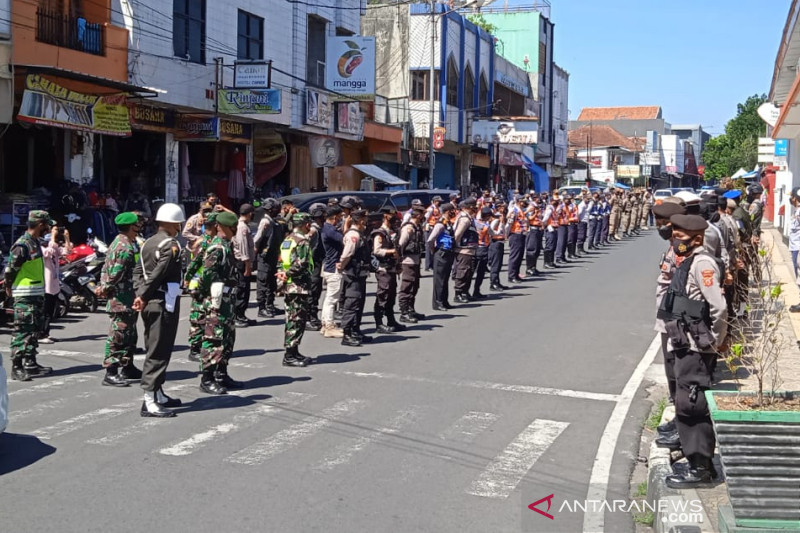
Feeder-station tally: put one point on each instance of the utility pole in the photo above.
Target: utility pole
(431, 155)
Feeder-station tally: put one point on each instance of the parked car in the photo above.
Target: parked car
(402, 199)
(373, 200)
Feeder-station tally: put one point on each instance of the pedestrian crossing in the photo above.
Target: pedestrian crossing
(275, 426)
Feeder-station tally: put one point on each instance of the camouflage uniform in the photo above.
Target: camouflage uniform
(297, 289)
(116, 280)
(29, 309)
(219, 335)
(197, 315)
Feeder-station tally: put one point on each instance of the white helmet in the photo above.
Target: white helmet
(170, 213)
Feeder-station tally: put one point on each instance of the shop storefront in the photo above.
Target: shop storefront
(479, 170)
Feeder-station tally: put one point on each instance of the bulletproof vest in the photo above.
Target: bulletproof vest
(470, 237)
(386, 244)
(414, 245)
(358, 263)
(676, 305)
(317, 251)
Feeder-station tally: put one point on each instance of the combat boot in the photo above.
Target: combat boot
(209, 385)
(313, 324)
(349, 339)
(360, 336)
(392, 322)
(379, 326)
(35, 369)
(151, 407)
(406, 316)
(262, 313)
(700, 472)
(130, 372)
(194, 357)
(293, 358)
(670, 441)
(113, 378)
(18, 373)
(221, 376)
(418, 316)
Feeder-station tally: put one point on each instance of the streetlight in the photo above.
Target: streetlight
(477, 4)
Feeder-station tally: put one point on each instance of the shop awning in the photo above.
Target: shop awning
(374, 171)
(619, 185)
(541, 179)
(117, 86)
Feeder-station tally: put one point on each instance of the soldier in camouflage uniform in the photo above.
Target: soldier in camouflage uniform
(24, 281)
(217, 285)
(197, 316)
(116, 284)
(294, 276)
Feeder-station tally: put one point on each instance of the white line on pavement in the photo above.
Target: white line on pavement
(242, 420)
(51, 384)
(289, 437)
(44, 406)
(344, 453)
(594, 521)
(81, 421)
(526, 389)
(504, 473)
(469, 426)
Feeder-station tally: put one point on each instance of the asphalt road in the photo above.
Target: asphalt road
(456, 425)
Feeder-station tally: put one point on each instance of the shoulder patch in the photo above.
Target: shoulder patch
(708, 277)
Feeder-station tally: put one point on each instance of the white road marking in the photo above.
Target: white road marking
(45, 406)
(240, 421)
(232, 363)
(289, 437)
(504, 473)
(51, 384)
(594, 521)
(469, 426)
(526, 389)
(81, 421)
(344, 453)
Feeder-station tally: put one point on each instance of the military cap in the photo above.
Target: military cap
(416, 201)
(436, 198)
(667, 209)
(486, 212)
(211, 218)
(387, 210)
(301, 218)
(732, 194)
(317, 209)
(226, 218)
(690, 223)
(246, 209)
(126, 219)
(40, 216)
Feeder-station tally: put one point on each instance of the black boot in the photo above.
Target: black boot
(221, 376)
(209, 385)
(379, 326)
(406, 316)
(360, 336)
(313, 324)
(130, 372)
(18, 372)
(151, 407)
(113, 377)
(495, 287)
(35, 369)
(671, 441)
(165, 401)
(700, 472)
(349, 339)
(391, 321)
(293, 358)
(667, 427)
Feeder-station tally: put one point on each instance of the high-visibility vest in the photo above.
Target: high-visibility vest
(286, 257)
(484, 237)
(535, 217)
(30, 279)
(573, 214)
(563, 216)
(519, 222)
(434, 218)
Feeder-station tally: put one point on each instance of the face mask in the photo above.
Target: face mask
(682, 247)
(665, 232)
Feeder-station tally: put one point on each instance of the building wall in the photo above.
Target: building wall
(629, 128)
(560, 115)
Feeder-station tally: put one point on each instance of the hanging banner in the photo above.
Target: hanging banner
(349, 118)
(318, 109)
(269, 155)
(350, 66)
(149, 118)
(235, 131)
(47, 103)
(325, 152)
(249, 101)
(197, 128)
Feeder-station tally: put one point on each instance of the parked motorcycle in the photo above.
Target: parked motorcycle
(80, 274)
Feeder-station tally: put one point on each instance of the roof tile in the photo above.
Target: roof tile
(620, 113)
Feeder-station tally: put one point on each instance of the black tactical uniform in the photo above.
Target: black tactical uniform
(354, 287)
(268, 242)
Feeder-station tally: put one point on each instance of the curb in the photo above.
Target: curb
(668, 502)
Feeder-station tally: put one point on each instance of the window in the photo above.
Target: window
(189, 29)
(315, 51)
(483, 97)
(250, 36)
(420, 84)
(469, 90)
(452, 82)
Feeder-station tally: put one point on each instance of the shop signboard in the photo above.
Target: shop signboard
(50, 104)
(781, 147)
(509, 82)
(505, 132)
(150, 118)
(269, 155)
(350, 66)
(251, 75)
(325, 151)
(249, 101)
(349, 118)
(318, 109)
(236, 132)
(197, 128)
(628, 171)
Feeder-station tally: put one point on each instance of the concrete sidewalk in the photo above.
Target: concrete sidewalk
(660, 460)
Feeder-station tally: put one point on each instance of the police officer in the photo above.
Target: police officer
(695, 318)
(317, 212)
(191, 280)
(517, 224)
(573, 219)
(267, 241)
(157, 280)
(562, 215)
(440, 242)
(550, 223)
(217, 286)
(605, 226)
(484, 229)
(24, 281)
(432, 215)
(466, 240)
(496, 250)
(533, 243)
(383, 248)
(755, 208)
(116, 284)
(410, 246)
(355, 262)
(297, 265)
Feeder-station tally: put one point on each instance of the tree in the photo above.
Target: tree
(738, 146)
(481, 22)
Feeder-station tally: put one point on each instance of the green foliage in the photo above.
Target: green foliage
(481, 22)
(738, 146)
(646, 519)
(641, 489)
(655, 417)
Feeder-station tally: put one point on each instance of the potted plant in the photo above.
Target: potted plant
(758, 431)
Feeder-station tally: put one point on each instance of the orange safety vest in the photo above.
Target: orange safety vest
(554, 218)
(434, 218)
(573, 214)
(484, 239)
(535, 217)
(563, 217)
(518, 224)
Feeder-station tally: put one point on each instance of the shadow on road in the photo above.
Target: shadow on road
(85, 338)
(226, 401)
(384, 339)
(74, 370)
(273, 381)
(337, 358)
(18, 451)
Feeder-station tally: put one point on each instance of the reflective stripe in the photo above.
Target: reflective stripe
(30, 279)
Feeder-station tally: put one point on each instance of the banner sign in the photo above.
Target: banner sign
(325, 152)
(269, 155)
(628, 171)
(249, 101)
(505, 132)
(350, 66)
(781, 147)
(147, 117)
(197, 128)
(235, 131)
(47, 103)
(247, 75)
(349, 118)
(318, 109)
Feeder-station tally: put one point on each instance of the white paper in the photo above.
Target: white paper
(173, 291)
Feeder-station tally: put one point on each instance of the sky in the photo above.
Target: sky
(697, 59)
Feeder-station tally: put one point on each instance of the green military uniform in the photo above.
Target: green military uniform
(24, 273)
(297, 263)
(197, 315)
(116, 281)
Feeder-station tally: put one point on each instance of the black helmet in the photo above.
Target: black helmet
(755, 188)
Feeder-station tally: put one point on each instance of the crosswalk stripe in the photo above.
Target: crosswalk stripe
(242, 420)
(51, 384)
(81, 421)
(344, 453)
(45, 406)
(506, 470)
(469, 426)
(285, 439)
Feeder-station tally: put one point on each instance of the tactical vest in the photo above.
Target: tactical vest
(386, 261)
(676, 304)
(470, 237)
(287, 247)
(357, 266)
(414, 245)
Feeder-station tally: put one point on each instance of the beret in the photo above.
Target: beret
(667, 209)
(301, 218)
(211, 218)
(732, 194)
(227, 218)
(126, 219)
(688, 222)
(486, 212)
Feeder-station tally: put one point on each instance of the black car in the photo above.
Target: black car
(402, 199)
(373, 200)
